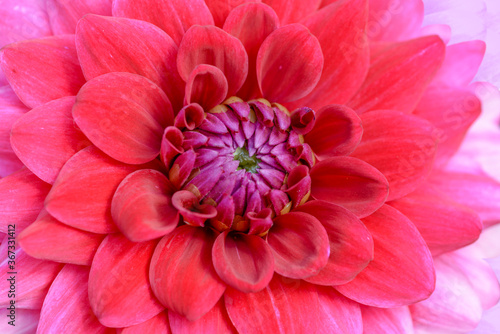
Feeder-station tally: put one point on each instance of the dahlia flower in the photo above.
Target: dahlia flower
(240, 167)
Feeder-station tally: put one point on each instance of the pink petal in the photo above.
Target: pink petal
(402, 270)
(461, 63)
(340, 29)
(201, 77)
(284, 306)
(387, 320)
(452, 110)
(64, 14)
(66, 307)
(21, 199)
(124, 115)
(175, 17)
(186, 253)
(291, 11)
(282, 76)
(81, 196)
(251, 24)
(398, 76)
(142, 206)
(26, 321)
(444, 224)
(351, 245)
(215, 321)
(394, 21)
(119, 290)
(401, 146)
(11, 109)
(337, 131)
(110, 44)
(43, 69)
(479, 192)
(350, 183)
(221, 8)
(35, 276)
(67, 244)
(156, 325)
(48, 130)
(337, 314)
(244, 262)
(213, 46)
(299, 244)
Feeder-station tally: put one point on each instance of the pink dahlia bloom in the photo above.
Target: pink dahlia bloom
(232, 166)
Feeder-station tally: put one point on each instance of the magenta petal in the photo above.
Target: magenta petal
(156, 325)
(202, 77)
(182, 275)
(119, 290)
(291, 11)
(337, 131)
(68, 244)
(387, 320)
(299, 244)
(173, 16)
(110, 44)
(42, 70)
(142, 206)
(215, 321)
(213, 46)
(48, 130)
(64, 15)
(400, 146)
(191, 210)
(351, 244)
(21, 199)
(282, 76)
(66, 307)
(124, 115)
(244, 262)
(350, 183)
(402, 270)
(81, 196)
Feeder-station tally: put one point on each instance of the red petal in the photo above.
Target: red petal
(444, 224)
(337, 313)
(215, 321)
(221, 8)
(387, 320)
(206, 86)
(119, 290)
(452, 111)
(65, 14)
(251, 24)
(340, 29)
(142, 206)
(461, 63)
(299, 244)
(350, 183)
(479, 192)
(42, 70)
(401, 146)
(156, 325)
(175, 17)
(186, 253)
(124, 115)
(213, 46)
(337, 131)
(285, 306)
(402, 270)
(67, 244)
(35, 276)
(21, 199)
(291, 11)
(394, 21)
(110, 44)
(48, 130)
(282, 76)
(66, 308)
(81, 196)
(189, 207)
(244, 262)
(351, 245)
(399, 76)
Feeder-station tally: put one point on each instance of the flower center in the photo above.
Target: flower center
(247, 162)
